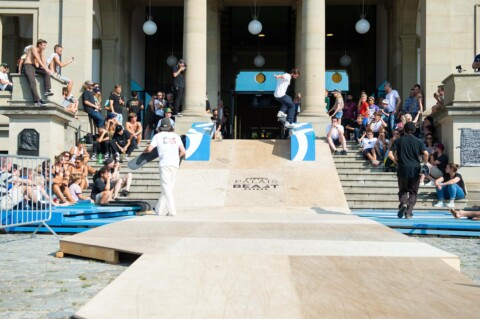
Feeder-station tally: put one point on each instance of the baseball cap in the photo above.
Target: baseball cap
(181, 61)
(168, 110)
(88, 82)
(385, 101)
(371, 98)
(82, 141)
(440, 146)
(165, 124)
(5, 65)
(118, 128)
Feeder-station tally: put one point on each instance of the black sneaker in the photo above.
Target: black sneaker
(343, 152)
(125, 193)
(336, 152)
(40, 103)
(48, 93)
(401, 211)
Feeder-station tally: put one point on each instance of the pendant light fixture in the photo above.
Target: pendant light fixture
(345, 60)
(149, 27)
(259, 60)
(362, 26)
(255, 26)
(172, 59)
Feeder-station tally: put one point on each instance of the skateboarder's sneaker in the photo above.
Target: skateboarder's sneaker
(289, 125)
(48, 93)
(40, 103)
(281, 114)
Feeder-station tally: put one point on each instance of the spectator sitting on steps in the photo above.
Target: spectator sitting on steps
(450, 186)
(117, 181)
(102, 187)
(368, 147)
(335, 137)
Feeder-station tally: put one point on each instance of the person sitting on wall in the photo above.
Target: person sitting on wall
(5, 83)
(476, 63)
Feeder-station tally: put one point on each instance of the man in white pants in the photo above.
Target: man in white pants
(170, 148)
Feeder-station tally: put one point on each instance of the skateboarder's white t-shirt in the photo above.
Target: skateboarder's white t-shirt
(168, 147)
(282, 85)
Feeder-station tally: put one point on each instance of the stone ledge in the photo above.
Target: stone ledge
(21, 89)
(17, 110)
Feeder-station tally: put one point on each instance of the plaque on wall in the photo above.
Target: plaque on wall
(28, 142)
(470, 147)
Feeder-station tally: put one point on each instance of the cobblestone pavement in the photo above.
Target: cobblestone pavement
(35, 284)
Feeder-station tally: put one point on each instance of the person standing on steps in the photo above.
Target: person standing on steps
(405, 153)
(179, 85)
(170, 148)
(288, 108)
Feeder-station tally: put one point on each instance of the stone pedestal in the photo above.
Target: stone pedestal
(461, 110)
(53, 124)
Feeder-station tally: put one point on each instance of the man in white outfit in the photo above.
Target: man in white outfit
(170, 148)
(288, 108)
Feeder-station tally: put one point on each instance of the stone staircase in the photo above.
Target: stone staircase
(368, 187)
(145, 182)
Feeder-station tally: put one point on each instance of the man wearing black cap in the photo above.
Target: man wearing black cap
(179, 85)
(404, 153)
(170, 148)
(124, 143)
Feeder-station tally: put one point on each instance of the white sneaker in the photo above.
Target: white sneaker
(431, 183)
(281, 114)
(289, 125)
(451, 204)
(439, 204)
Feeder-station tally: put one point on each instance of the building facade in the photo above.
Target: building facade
(410, 41)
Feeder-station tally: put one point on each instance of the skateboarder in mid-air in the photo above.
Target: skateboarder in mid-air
(288, 108)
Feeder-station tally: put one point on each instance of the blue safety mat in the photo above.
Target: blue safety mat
(81, 217)
(440, 223)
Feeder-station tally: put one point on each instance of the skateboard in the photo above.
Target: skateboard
(145, 158)
(142, 159)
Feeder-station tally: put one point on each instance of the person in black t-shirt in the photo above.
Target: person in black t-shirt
(179, 86)
(90, 107)
(476, 63)
(135, 105)
(116, 103)
(102, 187)
(405, 152)
(450, 186)
(124, 143)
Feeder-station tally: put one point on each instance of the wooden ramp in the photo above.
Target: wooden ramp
(232, 254)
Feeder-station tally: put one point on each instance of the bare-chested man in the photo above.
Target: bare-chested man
(134, 127)
(35, 63)
(55, 66)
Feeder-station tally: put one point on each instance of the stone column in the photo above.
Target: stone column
(313, 72)
(77, 41)
(109, 74)
(299, 56)
(409, 62)
(213, 52)
(195, 55)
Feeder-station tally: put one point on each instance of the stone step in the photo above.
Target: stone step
(425, 204)
(372, 190)
(360, 170)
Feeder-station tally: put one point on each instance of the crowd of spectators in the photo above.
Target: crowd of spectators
(375, 124)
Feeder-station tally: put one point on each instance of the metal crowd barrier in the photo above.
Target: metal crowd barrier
(25, 191)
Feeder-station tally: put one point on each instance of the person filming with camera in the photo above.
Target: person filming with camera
(179, 86)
